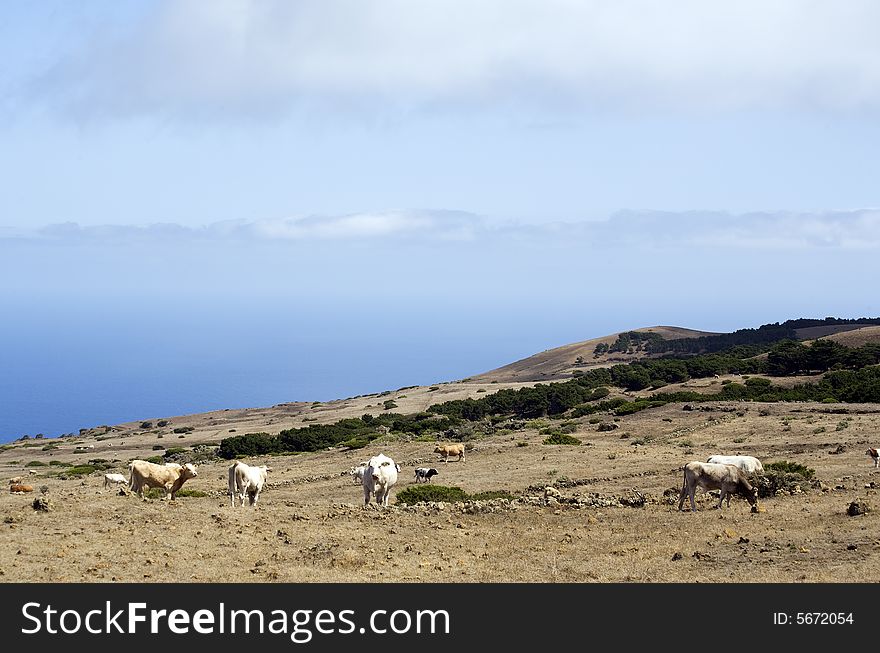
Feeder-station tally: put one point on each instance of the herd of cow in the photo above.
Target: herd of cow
(377, 475)
(728, 474)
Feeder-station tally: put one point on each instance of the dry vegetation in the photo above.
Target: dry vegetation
(310, 525)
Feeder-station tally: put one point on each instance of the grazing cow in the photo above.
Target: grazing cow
(425, 474)
(172, 476)
(246, 481)
(875, 456)
(110, 479)
(19, 488)
(450, 450)
(749, 464)
(713, 476)
(379, 477)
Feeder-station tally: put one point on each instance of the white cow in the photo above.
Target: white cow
(749, 464)
(246, 481)
(357, 473)
(713, 476)
(379, 477)
(169, 477)
(111, 479)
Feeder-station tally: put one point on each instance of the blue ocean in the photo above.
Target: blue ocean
(62, 369)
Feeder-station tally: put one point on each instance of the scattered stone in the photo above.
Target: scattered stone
(857, 508)
(41, 504)
(852, 547)
(677, 556)
(743, 540)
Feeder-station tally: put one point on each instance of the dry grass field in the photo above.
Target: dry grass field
(310, 524)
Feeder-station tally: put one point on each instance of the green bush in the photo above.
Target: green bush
(491, 494)
(389, 404)
(195, 494)
(782, 476)
(786, 467)
(60, 463)
(184, 429)
(430, 492)
(561, 438)
(35, 463)
(79, 470)
(157, 447)
(159, 460)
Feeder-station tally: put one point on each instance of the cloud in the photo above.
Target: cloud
(625, 230)
(227, 57)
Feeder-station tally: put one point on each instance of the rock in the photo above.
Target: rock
(857, 508)
(41, 504)
(678, 555)
(852, 547)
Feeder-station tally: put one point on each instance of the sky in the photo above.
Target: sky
(529, 172)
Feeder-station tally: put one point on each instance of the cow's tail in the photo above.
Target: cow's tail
(232, 469)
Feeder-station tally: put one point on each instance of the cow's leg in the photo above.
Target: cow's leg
(366, 496)
(691, 491)
(682, 495)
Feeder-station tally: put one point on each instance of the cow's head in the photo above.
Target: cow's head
(189, 471)
(380, 467)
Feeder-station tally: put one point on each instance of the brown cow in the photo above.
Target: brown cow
(450, 450)
(714, 476)
(145, 474)
(19, 488)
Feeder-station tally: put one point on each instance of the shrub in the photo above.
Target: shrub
(491, 494)
(782, 476)
(80, 470)
(162, 422)
(561, 438)
(357, 443)
(157, 447)
(607, 426)
(522, 444)
(35, 463)
(146, 425)
(60, 463)
(184, 429)
(430, 492)
(195, 494)
(159, 460)
(389, 404)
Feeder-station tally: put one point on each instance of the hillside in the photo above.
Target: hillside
(559, 363)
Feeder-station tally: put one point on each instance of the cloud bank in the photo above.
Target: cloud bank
(848, 230)
(227, 57)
